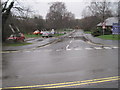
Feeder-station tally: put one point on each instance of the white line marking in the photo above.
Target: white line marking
(107, 48)
(71, 41)
(115, 47)
(89, 48)
(58, 50)
(5, 52)
(67, 46)
(27, 51)
(77, 49)
(47, 50)
(98, 48)
(68, 49)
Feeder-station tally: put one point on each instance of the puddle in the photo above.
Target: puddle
(7, 77)
(10, 50)
(97, 70)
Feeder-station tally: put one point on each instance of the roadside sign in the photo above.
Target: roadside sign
(103, 25)
(116, 28)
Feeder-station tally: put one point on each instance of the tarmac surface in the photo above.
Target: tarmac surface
(72, 58)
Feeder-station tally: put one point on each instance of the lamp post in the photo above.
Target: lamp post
(103, 12)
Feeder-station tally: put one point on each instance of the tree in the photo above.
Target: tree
(119, 11)
(6, 12)
(99, 9)
(68, 20)
(39, 22)
(95, 13)
(9, 16)
(54, 17)
(58, 16)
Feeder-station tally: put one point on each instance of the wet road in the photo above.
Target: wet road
(71, 59)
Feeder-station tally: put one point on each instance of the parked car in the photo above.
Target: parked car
(16, 37)
(46, 34)
(37, 32)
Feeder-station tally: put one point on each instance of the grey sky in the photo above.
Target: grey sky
(41, 7)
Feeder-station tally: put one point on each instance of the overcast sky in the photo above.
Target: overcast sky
(41, 7)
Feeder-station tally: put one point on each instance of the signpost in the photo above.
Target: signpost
(103, 27)
(116, 28)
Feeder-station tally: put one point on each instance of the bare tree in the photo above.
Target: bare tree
(54, 17)
(6, 11)
(119, 11)
(68, 20)
(58, 15)
(99, 9)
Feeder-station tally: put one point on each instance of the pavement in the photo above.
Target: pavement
(39, 42)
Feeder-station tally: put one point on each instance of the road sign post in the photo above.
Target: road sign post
(116, 28)
(103, 27)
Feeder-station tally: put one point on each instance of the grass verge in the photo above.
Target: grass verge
(110, 37)
(87, 32)
(31, 35)
(56, 35)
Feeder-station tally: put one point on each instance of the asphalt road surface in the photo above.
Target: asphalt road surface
(70, 60)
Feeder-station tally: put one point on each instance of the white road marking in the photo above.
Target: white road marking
(89, 48)
(5, 52)
(58, 50)
(107, 48)
(98, 48)
(71, 41)
(115, 47)
(67, 47)
(46, 50)
(77, 49)
(27, 51)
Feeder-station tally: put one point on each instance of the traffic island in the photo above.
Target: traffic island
(100, 41)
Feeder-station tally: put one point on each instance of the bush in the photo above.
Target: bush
(99, 31)
(96, 32)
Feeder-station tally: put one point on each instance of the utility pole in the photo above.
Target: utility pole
(119, 12)
(119, 16)
(103, 23)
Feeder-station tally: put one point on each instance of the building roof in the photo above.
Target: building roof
(109, 21)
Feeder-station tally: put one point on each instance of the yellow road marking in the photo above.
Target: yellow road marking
(80, 83)
(66, 84)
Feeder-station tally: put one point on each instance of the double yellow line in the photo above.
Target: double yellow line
(69, 84)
